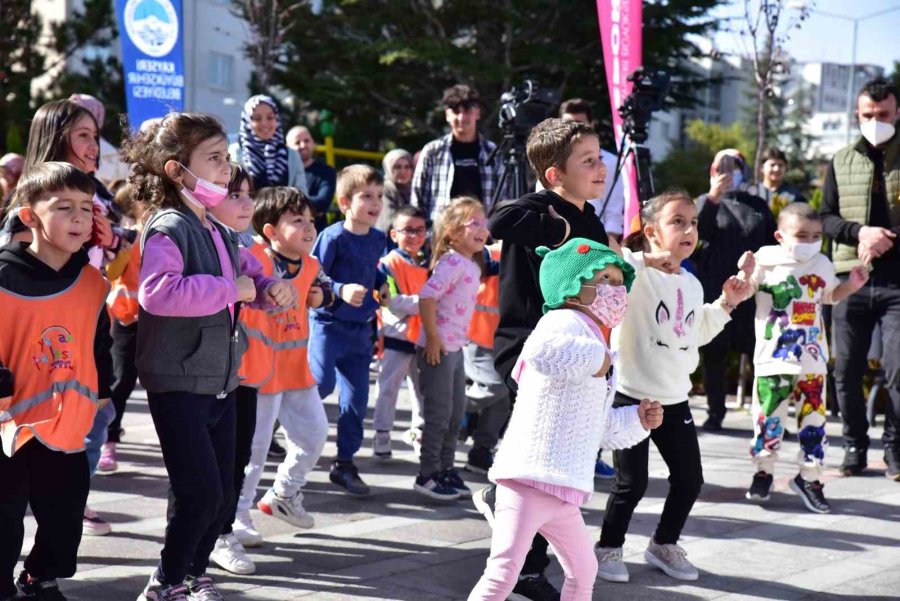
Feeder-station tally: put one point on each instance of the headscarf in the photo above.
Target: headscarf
(395, 195)
(265, 160)
(387, 163)
(94, 106)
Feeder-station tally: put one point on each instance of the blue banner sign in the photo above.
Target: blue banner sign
(152, 57)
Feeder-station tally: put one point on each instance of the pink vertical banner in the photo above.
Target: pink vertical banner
(621, 23)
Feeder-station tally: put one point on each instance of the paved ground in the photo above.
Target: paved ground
(397, 546)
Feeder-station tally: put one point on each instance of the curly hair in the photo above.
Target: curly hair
(172, 139)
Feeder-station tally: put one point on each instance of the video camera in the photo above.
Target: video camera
(524, 107)
(647, 95)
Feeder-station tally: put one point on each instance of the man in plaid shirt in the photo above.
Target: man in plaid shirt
(456, 164)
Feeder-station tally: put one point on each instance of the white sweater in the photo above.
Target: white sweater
(563, 414)
(664, 327)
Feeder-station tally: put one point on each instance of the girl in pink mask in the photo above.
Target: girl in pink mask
(544, 469)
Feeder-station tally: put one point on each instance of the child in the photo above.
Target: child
(793, 281)
(188, 349)
(545, 466)
(340, 342)
(284, 219)
(55, 347)
(406, 273)
(658, 348)
(446, 303)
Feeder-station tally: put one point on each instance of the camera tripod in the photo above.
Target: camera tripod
(513, 182)
(645, 188)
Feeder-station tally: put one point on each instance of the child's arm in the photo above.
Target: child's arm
(713, 316)
(434, 347)
(324, 283)
(557, 351)
(516, 224)
(859, 275)
(623, 428)
(269, 291)
(326, 250)
(103, 358)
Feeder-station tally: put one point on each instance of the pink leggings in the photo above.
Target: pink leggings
(520, 513)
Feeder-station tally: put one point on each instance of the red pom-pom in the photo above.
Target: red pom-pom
(583, 249)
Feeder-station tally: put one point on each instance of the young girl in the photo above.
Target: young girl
(544, 469)
(657, 345)
(187, 349)
(446, 303)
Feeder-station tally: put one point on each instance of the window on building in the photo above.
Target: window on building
(221, 69)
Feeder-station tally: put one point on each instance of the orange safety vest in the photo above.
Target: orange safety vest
(123, 298)
(48, 345)
(486, 316)
(410, 279)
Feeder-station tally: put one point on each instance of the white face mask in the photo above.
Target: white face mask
(876, 132)
(801, 251)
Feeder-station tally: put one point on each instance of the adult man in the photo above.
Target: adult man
(457, 163)
(861, 213)
(320, 177)
(773, 189)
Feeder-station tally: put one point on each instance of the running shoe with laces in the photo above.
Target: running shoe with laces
(160, 591)
(203, 588)
(452, 479)
(38, 590)
(245, 532)
(610, 565)
(534, 588)
(760, 487)
(289, 509)
(435, 487)
(230, 555)
(812, 494)
(93, 524)
(671, 559)
(109, 461)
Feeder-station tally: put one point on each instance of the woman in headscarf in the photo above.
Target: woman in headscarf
(398, 173)
(262, 150)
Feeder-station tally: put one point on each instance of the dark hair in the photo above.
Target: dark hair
(773, 154)
(457, 95)
(800, 210)
(239, 175)
(573, 106)
(408, 211)
(551, 142)
(650, 211)
(172, 139)
(50, 176)
(353, 177)
(273, 202)
(879, 89)
(48, 138)
(124, 199)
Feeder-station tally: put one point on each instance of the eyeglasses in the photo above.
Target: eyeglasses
(409, 232)
(479, 223)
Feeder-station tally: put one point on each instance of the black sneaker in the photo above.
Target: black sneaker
(854, 460)
(535, 588)
(436, 487)
(39, 590)
(893, 466)
(759, 489)
(345, 475)
(451, 478)
(811, 493)
(713, 423)
(484, 501)
(276, 451)
(480, 461)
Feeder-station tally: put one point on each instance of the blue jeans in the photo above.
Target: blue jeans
(96, 438)
(340, 352)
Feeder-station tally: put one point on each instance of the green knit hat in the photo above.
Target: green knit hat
(565, 269)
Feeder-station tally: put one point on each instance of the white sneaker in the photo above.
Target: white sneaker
(381, 446)
(229, 554)
(289, 509)
(93, 525)
(245, 532)
(610, 565)
(672, 560)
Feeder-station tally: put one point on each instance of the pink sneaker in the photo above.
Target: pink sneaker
(109, 463)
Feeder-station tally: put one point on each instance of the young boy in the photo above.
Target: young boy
(340, 343)
(565, 157)
(406, 270)
(56, 348)
(284, 219)
(793, 280)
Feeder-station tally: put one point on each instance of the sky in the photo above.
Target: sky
(826, 39)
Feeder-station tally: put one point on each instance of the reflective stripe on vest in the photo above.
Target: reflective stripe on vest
(24, 405)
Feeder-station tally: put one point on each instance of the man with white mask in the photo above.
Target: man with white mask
(861, 214)
(730, 221)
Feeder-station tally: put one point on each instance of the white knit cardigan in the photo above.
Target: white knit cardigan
(563, 414)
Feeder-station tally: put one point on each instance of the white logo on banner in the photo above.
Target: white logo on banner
(152, 25)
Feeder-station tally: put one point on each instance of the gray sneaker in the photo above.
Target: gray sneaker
(202, 588)
(672, 560)
(610, 565)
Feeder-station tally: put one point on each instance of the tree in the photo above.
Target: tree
(269, 21)
(20, 62)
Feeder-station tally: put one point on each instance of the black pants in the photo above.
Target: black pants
(56, 486)
(246, 426)
(737, 335)
(197, 437)
(124, 350)
(854, 319)
(676, 440)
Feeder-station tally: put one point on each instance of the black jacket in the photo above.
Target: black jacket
(523, 225)
(26, 275)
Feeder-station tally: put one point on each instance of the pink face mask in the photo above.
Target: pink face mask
(205, 193)
(609, 304)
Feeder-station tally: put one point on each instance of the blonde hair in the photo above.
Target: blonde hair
(353, 177)
(450, 223)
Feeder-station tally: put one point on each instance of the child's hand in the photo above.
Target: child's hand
(282, 294)
(102, 234)
(434, 348)
(552, 212)
(246, 289)
(747, 264)
(384, 295)
(661, 260)
(102, 403)
(650, 413)
(736, 291)
(353, 294)
(315, 297)
(859, 275)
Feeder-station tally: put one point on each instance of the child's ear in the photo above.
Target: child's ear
(173, 170)
(779, 237)
(344, 203)
(552, 176)
(394, 235)
(649, 231)
(269, 231)
(28, 217)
